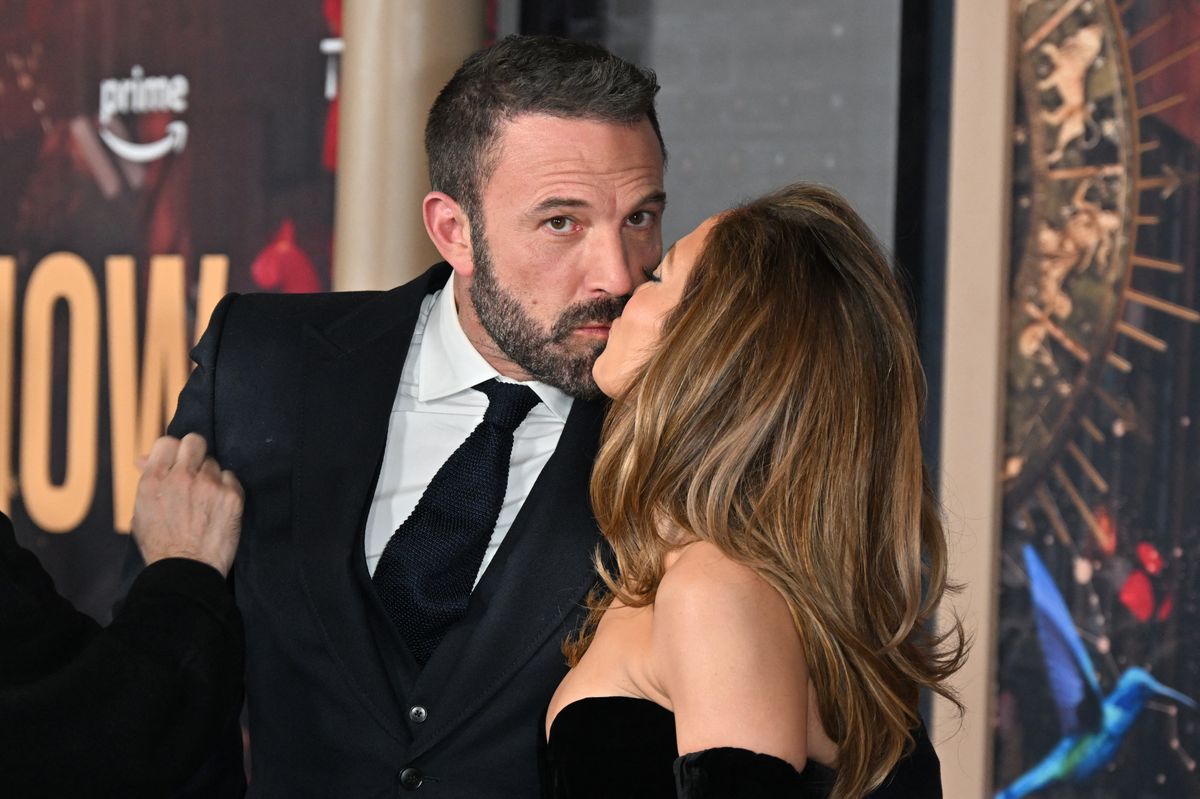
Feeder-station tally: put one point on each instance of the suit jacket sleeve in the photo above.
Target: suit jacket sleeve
(222, 773)
(196, 410)
(132, 707)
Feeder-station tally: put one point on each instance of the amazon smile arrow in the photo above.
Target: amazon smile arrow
(175, 140)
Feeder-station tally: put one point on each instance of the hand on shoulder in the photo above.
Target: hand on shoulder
(186, 506)
(726, 653)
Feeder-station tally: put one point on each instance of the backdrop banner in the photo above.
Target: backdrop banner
(1097, 674)
(154, 155)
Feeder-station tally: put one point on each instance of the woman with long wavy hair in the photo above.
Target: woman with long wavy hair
(776, 554)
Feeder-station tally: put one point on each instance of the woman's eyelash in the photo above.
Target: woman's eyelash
(649, 273)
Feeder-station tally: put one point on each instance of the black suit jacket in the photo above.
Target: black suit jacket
(128, 710)
(294, 394)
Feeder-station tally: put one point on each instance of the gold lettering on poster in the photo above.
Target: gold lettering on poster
(165, 348)
(60, 277)
(139, 417)
(144, 377)
(8, 321)
(120, 278)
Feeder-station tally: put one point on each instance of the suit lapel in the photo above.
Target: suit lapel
(541, 574)
(352, 370)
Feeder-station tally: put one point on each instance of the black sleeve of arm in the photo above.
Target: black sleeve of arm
(733, 773)
(133, 708)
(222, 772)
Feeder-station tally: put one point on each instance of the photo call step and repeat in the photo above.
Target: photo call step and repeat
(155, 156)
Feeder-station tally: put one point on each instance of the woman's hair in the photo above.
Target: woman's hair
(779, 419)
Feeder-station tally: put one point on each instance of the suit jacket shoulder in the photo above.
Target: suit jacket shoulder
(250, 356)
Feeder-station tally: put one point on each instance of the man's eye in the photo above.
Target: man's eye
(640, 218)
(559, 224)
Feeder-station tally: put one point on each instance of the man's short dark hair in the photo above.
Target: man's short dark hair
(526, 75)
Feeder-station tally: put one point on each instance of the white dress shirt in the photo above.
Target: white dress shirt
(435, 410)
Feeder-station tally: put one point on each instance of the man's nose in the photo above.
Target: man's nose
(611, 267)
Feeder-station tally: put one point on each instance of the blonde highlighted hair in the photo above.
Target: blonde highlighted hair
(779, 419)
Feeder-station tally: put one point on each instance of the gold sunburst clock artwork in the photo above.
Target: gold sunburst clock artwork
(1102, 311)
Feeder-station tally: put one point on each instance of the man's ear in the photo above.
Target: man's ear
(449, 229)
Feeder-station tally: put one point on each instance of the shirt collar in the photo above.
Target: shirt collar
(449, 363)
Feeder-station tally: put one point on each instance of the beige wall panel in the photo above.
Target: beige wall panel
(971, 412)
(398, 55)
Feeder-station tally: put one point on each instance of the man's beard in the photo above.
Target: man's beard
(544, 355)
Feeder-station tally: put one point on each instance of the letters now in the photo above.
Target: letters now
(138, 413)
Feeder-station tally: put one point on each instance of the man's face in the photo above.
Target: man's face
(637, 334)
(571, 225)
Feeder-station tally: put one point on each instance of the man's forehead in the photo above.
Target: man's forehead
(530, 139)
(546, 161)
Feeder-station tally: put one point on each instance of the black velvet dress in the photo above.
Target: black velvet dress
(614, 747)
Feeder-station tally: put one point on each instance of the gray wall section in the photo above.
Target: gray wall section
(761, 93)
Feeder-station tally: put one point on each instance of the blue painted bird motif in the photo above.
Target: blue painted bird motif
(1093, 725)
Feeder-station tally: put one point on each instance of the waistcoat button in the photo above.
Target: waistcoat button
(411, 778)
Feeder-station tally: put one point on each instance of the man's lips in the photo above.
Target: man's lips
(597, 329)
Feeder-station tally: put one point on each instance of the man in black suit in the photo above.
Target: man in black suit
(131, 709)
(377, 663)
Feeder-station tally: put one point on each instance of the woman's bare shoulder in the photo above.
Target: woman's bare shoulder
(701, 580)
(727, 654)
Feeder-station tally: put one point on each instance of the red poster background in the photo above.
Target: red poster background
(92, 340)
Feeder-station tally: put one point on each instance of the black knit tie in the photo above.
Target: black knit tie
(429, 565)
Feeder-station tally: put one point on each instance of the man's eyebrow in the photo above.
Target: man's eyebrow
(553, 203)
(654, 198)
